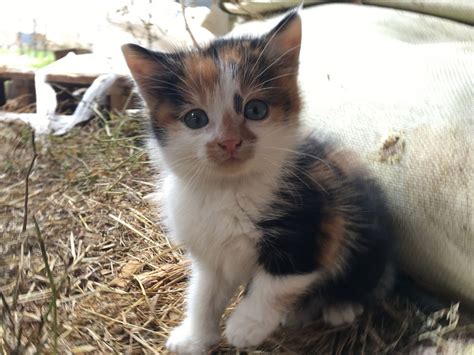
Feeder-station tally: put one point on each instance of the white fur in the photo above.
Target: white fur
(213, 218)
(342, 313)
(209, 293)
(211, 213)
(213, 221)
(263, 308)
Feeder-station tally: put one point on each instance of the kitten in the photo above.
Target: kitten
(254, 201)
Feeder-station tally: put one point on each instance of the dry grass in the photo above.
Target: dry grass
(100, 262)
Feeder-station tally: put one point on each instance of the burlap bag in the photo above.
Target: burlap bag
(397, 87)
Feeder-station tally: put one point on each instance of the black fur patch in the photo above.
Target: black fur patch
(364, 268)
(238, 103)
(289, 243)
(159, 133)
(166, 83)
(292, 240)
(165, 88)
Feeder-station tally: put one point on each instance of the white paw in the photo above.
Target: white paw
(183, 340)
(342, 313)
(243, 331)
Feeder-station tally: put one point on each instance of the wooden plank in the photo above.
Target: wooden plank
(80, 69)
(10, 74)
(71, 78)
(80, 79)
(23, 89)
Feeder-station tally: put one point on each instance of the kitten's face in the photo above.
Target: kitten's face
(227, 109)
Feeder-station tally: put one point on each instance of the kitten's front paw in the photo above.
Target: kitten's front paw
(183, 340)
(242, 331)
(342, 313)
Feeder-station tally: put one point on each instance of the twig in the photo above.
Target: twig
(5, 304)
(183, 10)
(126, 324)
(54, 295)
(6, 312)
(25, 219)
(27, 178)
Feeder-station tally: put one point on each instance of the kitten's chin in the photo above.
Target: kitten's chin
(232, 167)
(225, 167)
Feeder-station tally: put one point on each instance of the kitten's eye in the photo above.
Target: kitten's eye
(256, 110)
(195, 119)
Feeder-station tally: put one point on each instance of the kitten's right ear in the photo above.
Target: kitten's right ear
(143, 64)
(285, 38)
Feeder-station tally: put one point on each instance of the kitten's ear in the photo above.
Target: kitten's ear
(285, 38)
(143, 64)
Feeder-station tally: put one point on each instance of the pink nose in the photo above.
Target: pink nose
(230, 145)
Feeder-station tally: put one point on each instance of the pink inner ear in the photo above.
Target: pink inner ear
(139, 66)
(288, 39)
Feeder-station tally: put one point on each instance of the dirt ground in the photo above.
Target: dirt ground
(97, 274)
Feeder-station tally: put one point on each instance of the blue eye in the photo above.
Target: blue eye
(255, 110)
(195, 119)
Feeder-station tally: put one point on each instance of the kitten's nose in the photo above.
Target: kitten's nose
(230, 145)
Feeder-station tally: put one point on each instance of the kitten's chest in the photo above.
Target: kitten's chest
(215, 217)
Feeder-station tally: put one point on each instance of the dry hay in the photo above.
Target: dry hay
(119, 283)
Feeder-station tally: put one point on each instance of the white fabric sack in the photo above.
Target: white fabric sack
(397, 88)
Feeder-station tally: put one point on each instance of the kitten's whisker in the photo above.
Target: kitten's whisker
(275, 61)
(305, 173)
(285, 171)
(193, 170)
(195, 175)
(290, 171)
(275, 78)
(250, 94)
(175, 91)
(302, 153)
(180, 162)
(170, 84)
(295, 134)
(268, 43)
(170, 68)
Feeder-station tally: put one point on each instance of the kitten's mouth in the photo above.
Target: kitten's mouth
(232, 160)
(231, 164)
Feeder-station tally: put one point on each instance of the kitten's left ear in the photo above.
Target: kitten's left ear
(285, 38)
(142, 62)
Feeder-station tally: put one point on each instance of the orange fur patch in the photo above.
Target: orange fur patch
(347, 162)
(231, 55)
(201, 73)
(335, 233)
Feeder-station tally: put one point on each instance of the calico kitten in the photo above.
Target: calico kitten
(254, 201)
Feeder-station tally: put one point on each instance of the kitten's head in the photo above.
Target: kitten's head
(228, 109)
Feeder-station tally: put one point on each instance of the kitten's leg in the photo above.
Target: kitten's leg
(304, 313)
(260, 311)
(346, 311)
(343, 313)
(208, 295)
